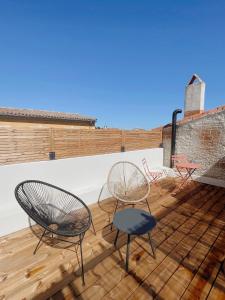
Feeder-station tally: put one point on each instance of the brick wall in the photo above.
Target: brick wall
(203, 141)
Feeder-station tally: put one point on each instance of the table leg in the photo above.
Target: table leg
(150, 242)
(116, 237)
(117, 202)
(179, 170)
(191, 172)
(186, 177)
(127, 255)
(183, 181)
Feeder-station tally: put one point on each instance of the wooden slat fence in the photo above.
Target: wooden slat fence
(26, 144)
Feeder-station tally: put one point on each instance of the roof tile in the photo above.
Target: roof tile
(43, 114)
(201, 115)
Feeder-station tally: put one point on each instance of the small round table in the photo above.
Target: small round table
(133, 222)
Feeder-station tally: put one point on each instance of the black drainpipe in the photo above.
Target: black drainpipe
(174, 129)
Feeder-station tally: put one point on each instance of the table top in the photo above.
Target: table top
(134, 221)
(188, 165)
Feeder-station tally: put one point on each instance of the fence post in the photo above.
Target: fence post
(52, 145)
(123, 148)
(79, 141)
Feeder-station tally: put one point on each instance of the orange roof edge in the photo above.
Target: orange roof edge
(201, 115)
(198, 116)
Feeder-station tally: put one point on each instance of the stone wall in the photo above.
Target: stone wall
(203, 141)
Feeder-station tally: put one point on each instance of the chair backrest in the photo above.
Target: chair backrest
(53, 208)
(127, 183)
(146, 168)
(179, 158)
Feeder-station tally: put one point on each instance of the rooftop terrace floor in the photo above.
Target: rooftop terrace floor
(190, 249)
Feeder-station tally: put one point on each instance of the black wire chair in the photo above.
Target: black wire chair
(59, 212)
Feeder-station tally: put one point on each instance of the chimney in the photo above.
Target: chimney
(194, 96)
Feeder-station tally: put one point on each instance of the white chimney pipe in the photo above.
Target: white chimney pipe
(194, 96)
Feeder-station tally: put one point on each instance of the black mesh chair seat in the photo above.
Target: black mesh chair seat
(56, 210)
(53, 208)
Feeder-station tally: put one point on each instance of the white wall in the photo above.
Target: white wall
(84, 176)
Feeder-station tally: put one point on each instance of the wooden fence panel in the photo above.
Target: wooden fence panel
(101, 141)
(137, 140)
(66, 142)
(25, 144)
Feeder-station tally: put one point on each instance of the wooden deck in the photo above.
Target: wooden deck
(190, 249)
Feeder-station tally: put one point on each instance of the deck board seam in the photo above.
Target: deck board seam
(179, 243)
(180, 264)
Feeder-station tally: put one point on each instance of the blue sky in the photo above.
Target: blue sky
(124, 62)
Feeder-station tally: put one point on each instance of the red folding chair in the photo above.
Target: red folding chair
(152, 175)
(177, 159)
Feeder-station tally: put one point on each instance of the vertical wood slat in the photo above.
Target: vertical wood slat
(51, 137)
(26, 144)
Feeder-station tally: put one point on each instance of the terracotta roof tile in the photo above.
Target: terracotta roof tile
(198, 116)
(42, 114)
(201, 115)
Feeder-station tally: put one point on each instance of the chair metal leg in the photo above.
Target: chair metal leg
(117, 234)
(148, 206)
(81, 256)
(150, 242)
(117, 202)
(127, 255)
(35, 250)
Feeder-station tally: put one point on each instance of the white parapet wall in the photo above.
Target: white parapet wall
(83, 176)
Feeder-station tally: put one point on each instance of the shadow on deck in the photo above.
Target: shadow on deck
(189, 240)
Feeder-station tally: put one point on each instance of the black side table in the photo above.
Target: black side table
(133, 222)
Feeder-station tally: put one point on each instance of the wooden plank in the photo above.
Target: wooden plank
(218, 290)
(192, 254)
(176, 247)
(188, 256)
(24, 143)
